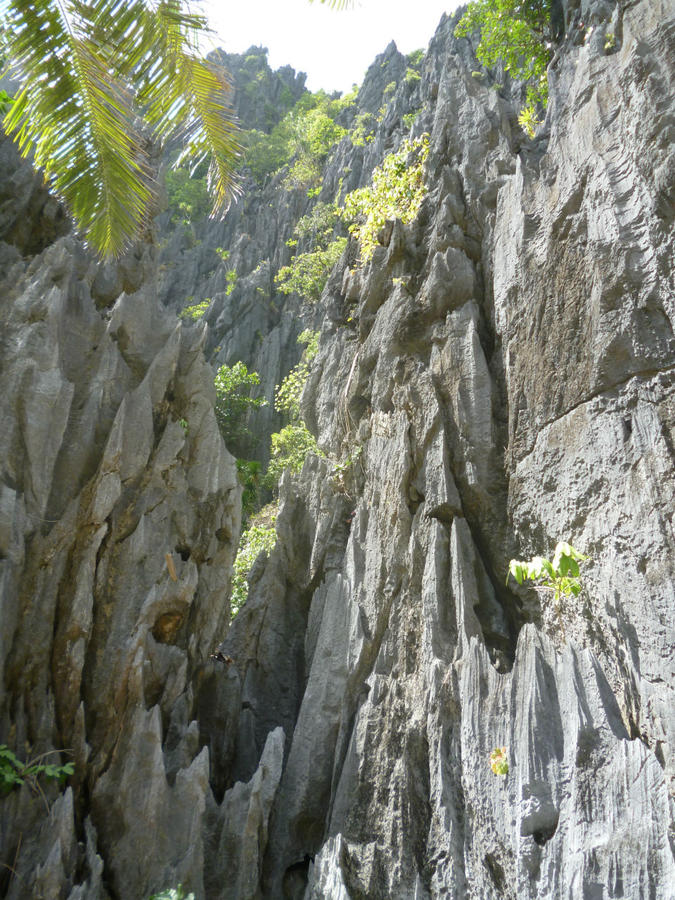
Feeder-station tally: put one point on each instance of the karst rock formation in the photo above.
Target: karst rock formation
(501, 375)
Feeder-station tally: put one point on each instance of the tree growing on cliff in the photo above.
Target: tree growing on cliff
(103, 83)
(517, 33)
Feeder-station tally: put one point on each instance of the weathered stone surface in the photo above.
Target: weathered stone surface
(501, 377)
(112, 465)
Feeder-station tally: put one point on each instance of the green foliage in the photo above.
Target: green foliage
(233, 403)
(319, 223)
(5, 102)
(389, 90)
(559, 576)
(173, 894)
(290, 446)
(410, 117)
(396, 192)
(308, 272)
(289, 392)
(415, 58)
(223, 254)
(363, 129)
(189, 200)
(259, 537)
(102, 83)
(304, 137)
(14, 773)
(528, 120)
(231, 279)
(314, 133)
(196, 311)
(517, 33)
(498, 761)
(411, 76)
(249, 472)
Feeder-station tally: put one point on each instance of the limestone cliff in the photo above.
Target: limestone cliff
(501, 375)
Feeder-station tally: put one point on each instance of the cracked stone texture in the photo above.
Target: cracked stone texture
(505, 365)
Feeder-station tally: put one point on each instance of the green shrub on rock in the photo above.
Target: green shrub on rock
(233, 403)
(519, 35)
(396, 192)
(259, 537)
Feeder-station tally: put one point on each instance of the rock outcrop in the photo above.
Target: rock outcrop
(499, 377)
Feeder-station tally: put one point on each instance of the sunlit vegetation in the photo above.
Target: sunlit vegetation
(518, 35)
(396, 192)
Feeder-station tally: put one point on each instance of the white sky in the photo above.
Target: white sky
(334, 47)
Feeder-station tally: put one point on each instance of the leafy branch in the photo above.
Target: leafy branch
(560, 576)
(104, 81)
(14, 772)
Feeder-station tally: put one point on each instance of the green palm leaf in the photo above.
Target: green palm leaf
(104, 80)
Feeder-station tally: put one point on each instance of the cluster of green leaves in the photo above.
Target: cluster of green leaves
(516, 33)
(389, 90)
(14, 773)
(291, 445)
(5, 102)
(102, 82)
(560, 575)
(499, 762)
(289, 392)
(396, 192)
(231, 281)
(412, 76)
(188, 197)
(290, 448)
(233, 404)
(249, 473)
(196, 311)
(303, 137)
(259, 537)
(173, 894)
(308, 272)
(362, 131)
(414, 58)
(409, 118)
(318, 225)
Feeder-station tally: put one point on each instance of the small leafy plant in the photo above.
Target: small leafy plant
(196, 311)
(498, 761)
(176, 893)
(259, 537)
(308, 272)
(560, 575)
(233, 404)
(396, 192)
(291, 445)
(520, 36)
(14, 773)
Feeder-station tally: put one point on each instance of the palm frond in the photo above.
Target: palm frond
(101, 81)
(337, 4)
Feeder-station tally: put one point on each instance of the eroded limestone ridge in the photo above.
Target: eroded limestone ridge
(506, 366)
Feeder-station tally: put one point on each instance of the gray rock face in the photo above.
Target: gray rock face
(507, 375)
(498, 378)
